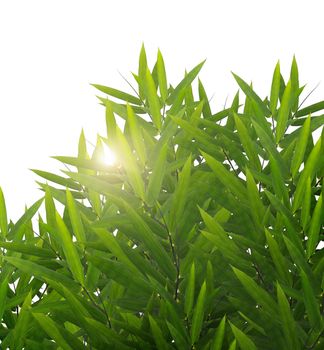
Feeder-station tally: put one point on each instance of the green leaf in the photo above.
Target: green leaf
(187, 80)
(118, 94)
(252, 95)
(300, 147)
(126, 157)
(247, 143)
(255, 202)
(41, 272)
(283, 113)
(219, 335)
(57, 179)
(305, 211)
(3, 216)
(227, 178)
(203, 97)
(180, 195)
(315, 227)
(294, 84)
(278, 258)
(28, 249)
(309, 170)
(162, 79)
(244, 341)
(198, 314)
(153, 100)
(75, 217)
(275, 88)
(142, 66)
(310, 109)
(136, 134)
(158, 335)
(70, 251)
(157, 175)
(257, 293)
(51, 328)
(22, 323)
(311, 303)
(110, 121)
(18, 230)
(288, 322)
(4, 286)
(190, 291)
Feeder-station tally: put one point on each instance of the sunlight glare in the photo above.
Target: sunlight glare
(109, 156)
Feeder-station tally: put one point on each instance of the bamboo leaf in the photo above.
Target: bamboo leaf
(75, 217)
(126, 157)
(180, 195)
(310, 109)
(283, 113)
(70, 251)
(308, 171)
(275, 88)
(300, 147)
(190, 291)
(315, 227)
(227, 178)
(187, 80)
(305, 211)
(51, 328)
(198, 314)
(157, 175)
(136, 135)
(247, 143)
(153, 100)
(244, 341)
(252, 95)
(4, 286)
(41, 272)
(142, 66)
(158, 335)
(294, 84)
(3, 216)
(311, 303)
(162, 79)
(219, 335)
(278, 259)
(118, 94)
(256, 292)
(288, 322)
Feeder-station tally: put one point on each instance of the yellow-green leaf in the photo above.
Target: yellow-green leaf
(153, 99)
(70, 251)
(3, 216)
(275, 88)
(244, 341)
(162, 79)
(283, 113)
(314, 227)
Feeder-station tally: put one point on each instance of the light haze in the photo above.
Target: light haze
(52, 50)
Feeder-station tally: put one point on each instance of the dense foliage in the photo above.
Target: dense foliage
(203, 235)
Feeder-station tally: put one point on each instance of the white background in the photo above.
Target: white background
(51, 50)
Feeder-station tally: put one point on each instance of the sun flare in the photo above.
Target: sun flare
(109, 156)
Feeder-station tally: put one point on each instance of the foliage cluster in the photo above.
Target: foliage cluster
(203, 235)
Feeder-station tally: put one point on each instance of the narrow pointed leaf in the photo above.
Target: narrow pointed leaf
(3, 216)
(244, 341)
(288, 322)
(314, 227)
(118, 94)
(163, 86)
(198, 314)
(275, 88)
(187, 80)
(153, 100)
(157, 334)
(283, 113)
(190, 291)
(70, 251)
(252, 95)
(75, 217)
(300, 147)
(219, 335)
